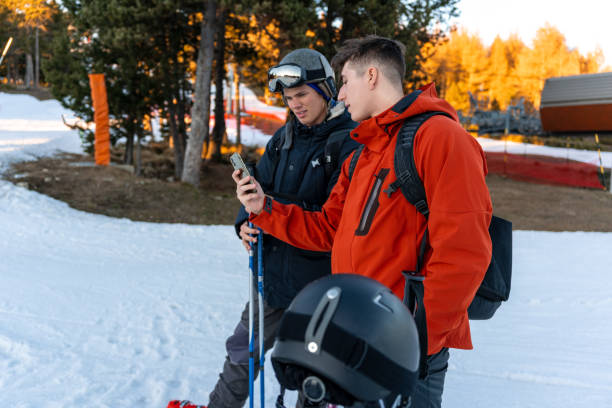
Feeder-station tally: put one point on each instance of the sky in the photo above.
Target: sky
(585, 24)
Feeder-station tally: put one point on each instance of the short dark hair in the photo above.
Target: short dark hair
(388, 53)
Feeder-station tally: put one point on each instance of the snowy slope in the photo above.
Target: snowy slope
(104, 312)
(30, 128)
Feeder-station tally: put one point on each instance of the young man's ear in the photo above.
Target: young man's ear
(372, 75)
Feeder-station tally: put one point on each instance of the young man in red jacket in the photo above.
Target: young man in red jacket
(376, 233)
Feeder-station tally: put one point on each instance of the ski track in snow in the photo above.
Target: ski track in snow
(104, 312)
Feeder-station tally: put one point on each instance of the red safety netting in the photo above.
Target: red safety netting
(267, 125)
(544, 169)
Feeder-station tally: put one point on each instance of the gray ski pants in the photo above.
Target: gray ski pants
(428, 392)
(232, 388)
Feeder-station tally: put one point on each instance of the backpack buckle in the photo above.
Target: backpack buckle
(389, 191)
(392, 188)
(422, 207)
(413, 276)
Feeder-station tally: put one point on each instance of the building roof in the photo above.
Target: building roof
(586, 89)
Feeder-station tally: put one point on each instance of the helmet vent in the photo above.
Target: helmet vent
(378, 301)
(320, 317)
(317, 326)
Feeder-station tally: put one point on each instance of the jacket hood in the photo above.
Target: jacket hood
(422, 100)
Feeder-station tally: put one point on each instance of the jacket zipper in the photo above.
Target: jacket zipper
(372, 204)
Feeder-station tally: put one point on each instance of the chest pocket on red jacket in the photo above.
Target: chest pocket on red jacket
(372, 204)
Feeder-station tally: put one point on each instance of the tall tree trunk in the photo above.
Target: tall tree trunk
(36, 60)
(200, 112)
(219, 129)
(128, 155)
(29, 74)
(180, 121)
(138, 164)
(179, 146)
(175, 102)
(9, 72)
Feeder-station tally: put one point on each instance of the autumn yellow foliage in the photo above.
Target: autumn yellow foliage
(504, 72)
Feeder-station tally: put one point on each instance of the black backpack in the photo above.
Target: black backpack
(495, 287)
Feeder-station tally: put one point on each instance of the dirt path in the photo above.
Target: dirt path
(551, 208)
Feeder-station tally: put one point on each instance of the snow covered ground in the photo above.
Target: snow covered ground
(104, 312)
(30, 128)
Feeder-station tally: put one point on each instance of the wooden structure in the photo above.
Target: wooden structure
(577, 104)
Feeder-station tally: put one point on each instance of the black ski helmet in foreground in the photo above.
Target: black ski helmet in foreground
(344, 339)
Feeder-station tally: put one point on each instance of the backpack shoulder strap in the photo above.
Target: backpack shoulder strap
(332, 149)
(408, 180)
(354, 160)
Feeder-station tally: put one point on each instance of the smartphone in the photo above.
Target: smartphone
(239, 165)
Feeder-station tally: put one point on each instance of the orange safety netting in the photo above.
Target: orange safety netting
(544, 169)
(100, 107)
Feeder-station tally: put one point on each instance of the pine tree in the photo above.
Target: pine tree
(143, 49)
(505, 72)
(415, 23)
(549, 57)
(218, 132)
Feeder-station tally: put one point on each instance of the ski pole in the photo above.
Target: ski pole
(601, 169)
(251, 331)
(260, 289)
(6, 48)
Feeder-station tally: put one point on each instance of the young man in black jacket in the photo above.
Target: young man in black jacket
(301, 165)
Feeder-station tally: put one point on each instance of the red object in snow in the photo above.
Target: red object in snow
(183, 404)
(544, 169)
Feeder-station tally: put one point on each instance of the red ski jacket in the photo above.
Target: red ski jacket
(382, 240)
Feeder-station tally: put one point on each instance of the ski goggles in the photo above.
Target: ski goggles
(285, 76)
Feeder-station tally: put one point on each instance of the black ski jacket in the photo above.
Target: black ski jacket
(294, 173)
